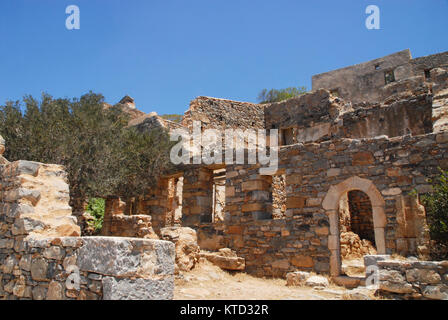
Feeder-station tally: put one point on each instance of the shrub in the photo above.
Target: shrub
(102, 155)
(96, 208)
(436, 204)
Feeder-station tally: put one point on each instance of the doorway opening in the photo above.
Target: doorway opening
(357, 233)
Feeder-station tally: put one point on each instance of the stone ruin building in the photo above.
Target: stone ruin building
(352, 151)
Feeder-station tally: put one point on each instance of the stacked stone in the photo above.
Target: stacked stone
(396, 166)
(272, 247)
(408, 114)
(278, 196)
(137, 226)
(92, 268)
(393, 166)
(414, 279)
(38, 260)
(117, 224)
(29, 205)
(224, 114)
(157, 205)
(248, 195)
(197, 198)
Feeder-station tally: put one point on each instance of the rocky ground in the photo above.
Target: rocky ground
(208, 282)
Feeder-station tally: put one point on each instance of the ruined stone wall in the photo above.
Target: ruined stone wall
(272, 247)
(408, 116)
(117, 224)
(314, 172)
(42, 257)
(366, 82)
(197, 198)
(426, 280)
(222, 114)
(34, 199)
(362, 82)
(156, 204)
(412, 106)
(87, 268)
(312, 115)
(394, 166)
(422, 64)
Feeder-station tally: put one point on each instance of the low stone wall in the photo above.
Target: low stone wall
(88, 268)
(276, 247)
(43, 257)
(317, 176)
(34, 198)
(138, 226)
(414, 279)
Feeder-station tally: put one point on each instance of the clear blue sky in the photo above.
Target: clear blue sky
(166, 53)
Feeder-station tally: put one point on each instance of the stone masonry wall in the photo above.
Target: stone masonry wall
(362, 82)
(272, 247)
(366, 82)
(89, 268)
(395, 166)
(301, 241)
(43, 257)
(34, 199)
(412, 115)
(220, 113)
(117, 224)
(427, 280)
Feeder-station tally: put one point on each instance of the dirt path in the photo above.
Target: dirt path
(207, 282)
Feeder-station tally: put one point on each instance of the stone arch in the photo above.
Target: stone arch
(331, 207)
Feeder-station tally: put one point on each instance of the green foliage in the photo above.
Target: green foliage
(96, 208)
(436, 204)
(275, 95)
(102, 155)
(173, 117)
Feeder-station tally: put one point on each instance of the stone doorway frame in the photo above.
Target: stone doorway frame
(331, 206)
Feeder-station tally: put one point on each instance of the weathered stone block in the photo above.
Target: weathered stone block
(436, 292)
(297, 278)
(293, 179)
(254, 185)
(55, 291)
(54, 252)
(317, 281)
(295, 202)
(281, 264)
(123, 257)
(302, 261)
(423, 276)
(138, 289)
(39, 268)
(28, 167)
(248, 207)
(363, 158)
(333, 172)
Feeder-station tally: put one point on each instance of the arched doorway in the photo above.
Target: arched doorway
(331, 205)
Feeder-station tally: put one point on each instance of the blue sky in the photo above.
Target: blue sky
(166, 53)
